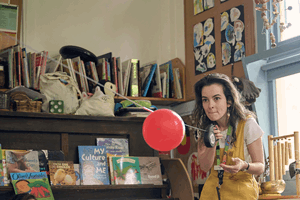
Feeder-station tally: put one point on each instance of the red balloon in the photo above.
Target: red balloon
(163, 130)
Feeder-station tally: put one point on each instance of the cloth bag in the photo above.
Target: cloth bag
(97, 105)
(60, 86)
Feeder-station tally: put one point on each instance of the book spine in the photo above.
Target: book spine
(115, 74)
(171, 80)
(86, 87)
(120, 76)
(37, 69)
(19, 67)
(26, 70)
(94, 72)
(33, 67)
(134, 79)
(10, 67)
(156, 91)
(103, 69)
(108, 77)
(43, 66)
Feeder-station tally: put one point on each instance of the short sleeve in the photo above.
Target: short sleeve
(252, 131)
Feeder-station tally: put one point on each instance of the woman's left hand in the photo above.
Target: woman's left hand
(233, 168)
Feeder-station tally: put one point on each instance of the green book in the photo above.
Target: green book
(126, 170)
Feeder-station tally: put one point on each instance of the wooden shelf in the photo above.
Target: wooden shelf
(154, 100)
(96, 187)
(22, 130)
(279, 197)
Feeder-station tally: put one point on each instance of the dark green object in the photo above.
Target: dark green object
(56, 106)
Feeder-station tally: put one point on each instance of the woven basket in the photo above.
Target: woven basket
(23, 103)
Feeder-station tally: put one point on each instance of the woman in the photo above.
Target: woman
(240, 154)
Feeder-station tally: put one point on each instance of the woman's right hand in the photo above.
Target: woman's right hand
(217, 133)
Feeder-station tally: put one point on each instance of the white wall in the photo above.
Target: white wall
(144, 29)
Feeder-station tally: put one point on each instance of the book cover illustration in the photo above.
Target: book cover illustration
(35, 183)
(18, 161)
(62, 172)
(77, 173)
(114, 146)
(150, 170)
(93, 165)
(126, 170)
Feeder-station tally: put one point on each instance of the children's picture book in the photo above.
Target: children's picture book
(77, 173)
(114, 146)
(150, 170)
(18, 161)
(93, 165)
(35, 183)
(1, 168)
(5, 174)
(126, 170)
(62, 172)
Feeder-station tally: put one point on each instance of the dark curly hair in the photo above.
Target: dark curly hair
(23, 196)
(237, 110)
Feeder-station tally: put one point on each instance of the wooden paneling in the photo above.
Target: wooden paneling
(190, 20)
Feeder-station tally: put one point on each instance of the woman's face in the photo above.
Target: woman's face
(214, 102)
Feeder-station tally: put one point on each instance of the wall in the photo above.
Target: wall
(143, 29)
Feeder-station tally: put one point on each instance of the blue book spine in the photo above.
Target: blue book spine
(149, 79)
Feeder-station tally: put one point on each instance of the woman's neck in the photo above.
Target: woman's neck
(223, 124)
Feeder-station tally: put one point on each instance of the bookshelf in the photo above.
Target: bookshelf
(21, 130)
(176, 63)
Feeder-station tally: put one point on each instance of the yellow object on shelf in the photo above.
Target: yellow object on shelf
(273, 187)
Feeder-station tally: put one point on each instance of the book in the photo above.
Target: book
(77, 173)
(102, 65)
(147, 72)
(156, 89)
(6, 56)
(126, 70)
(62, 172)
(37, 70)
(25, 68)
(163, 77)
(53, 64)
(178, 86)
(32, 67)
(150, 170)
(165, 69)
(35, 183)
(18, 161)
(83, 77)
(43, 66)
(93, 165)
(5, 174)
(120, 76)
(114, 147)
(115, 73)
(126, 170)
(134, 85)
(1, 168)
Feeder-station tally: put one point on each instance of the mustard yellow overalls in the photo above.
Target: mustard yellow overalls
(241, 185)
